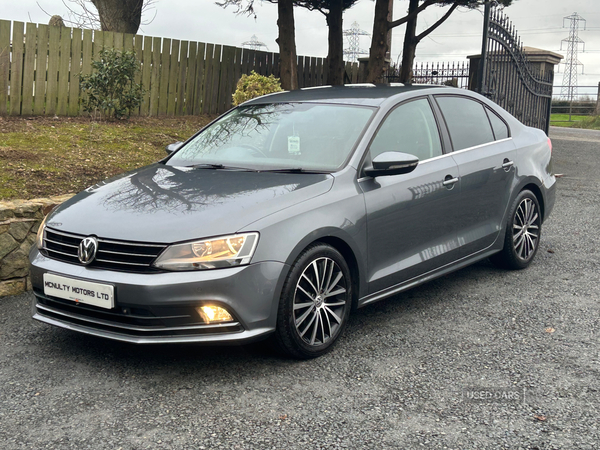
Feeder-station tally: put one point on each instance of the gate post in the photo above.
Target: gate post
(484, 47)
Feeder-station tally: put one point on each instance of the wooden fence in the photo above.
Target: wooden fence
(40, 67)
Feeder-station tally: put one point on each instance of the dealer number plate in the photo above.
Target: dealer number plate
(87, 292)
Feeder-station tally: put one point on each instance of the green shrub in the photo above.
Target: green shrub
(255, 85)
(111, 88)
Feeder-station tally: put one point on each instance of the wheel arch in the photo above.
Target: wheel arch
(341, 246)
(344, 245)
(530, 183)
(538, 194)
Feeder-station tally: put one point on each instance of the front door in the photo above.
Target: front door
(411, 218)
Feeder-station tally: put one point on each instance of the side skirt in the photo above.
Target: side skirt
(416, 281)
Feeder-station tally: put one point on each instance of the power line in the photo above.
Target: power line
(569, 85)
(545, 30)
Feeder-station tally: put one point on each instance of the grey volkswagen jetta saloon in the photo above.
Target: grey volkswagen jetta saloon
(291, 210)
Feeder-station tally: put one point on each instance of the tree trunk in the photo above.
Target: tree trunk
(410, 45)
(287, 45)
(123, 16)
(379, 46)
(390, 18)
(336, 43)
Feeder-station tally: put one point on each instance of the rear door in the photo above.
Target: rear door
(485, 155)
(411, 218)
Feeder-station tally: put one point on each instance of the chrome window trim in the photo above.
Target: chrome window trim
(467, 149)
(451, 153)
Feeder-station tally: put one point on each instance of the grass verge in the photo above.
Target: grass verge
(43, 156)
(590, 123)
(562, 120)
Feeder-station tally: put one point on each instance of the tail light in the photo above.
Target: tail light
(550, 145)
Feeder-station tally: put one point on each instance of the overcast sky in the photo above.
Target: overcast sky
(539, 22)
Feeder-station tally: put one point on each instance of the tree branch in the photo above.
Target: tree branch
(437, 24)
(412, 15)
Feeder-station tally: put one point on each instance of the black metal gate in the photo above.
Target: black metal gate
(508, 78)
(438, 73)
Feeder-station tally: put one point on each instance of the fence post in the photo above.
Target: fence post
(598, 101)
(570, 108)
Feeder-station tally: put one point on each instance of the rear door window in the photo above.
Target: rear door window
(467, 121)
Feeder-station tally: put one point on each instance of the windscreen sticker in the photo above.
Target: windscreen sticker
(294, 145)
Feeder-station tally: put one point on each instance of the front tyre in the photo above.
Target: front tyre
(523, 232)
(315, 303)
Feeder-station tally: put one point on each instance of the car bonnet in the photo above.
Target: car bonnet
(168, 204)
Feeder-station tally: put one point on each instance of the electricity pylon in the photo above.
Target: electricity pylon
(254, 44)
(353, 34)
(569, 85)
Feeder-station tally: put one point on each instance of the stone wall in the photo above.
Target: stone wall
(19, 223)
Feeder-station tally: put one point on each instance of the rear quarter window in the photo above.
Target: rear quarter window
(498, 125)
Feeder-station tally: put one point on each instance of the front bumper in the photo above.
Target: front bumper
(160, 307)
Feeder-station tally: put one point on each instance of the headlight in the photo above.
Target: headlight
(224, 251)
(39, 240)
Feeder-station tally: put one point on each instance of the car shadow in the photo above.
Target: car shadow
(197, 359)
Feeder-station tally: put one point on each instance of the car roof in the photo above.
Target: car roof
(353, 94)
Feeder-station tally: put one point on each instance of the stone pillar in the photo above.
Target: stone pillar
(363, 64)
(542, 60)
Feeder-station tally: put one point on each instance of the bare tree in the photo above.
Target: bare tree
(333, 11)
(123, 16)
(286, 40)
(381, 26)
(56, 21)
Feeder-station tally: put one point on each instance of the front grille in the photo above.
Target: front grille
(114, 255)
(134, 322)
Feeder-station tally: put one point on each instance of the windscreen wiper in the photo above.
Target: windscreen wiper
(220, 167)
(293, 170)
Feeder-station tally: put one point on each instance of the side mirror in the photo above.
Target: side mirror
(392, 163)
(173, 147)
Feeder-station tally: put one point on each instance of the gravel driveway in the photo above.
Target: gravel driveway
(479, 359)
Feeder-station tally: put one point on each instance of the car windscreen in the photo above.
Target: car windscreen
(303, 136)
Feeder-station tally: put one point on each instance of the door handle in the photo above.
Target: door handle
(507, 164)
(449, 181)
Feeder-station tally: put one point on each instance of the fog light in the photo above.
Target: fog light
(214, 314)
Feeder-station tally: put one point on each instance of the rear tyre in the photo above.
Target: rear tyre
(523, 232)
(315, 303)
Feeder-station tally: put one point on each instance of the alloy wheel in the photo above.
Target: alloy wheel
(526, 229)
(320, 299)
